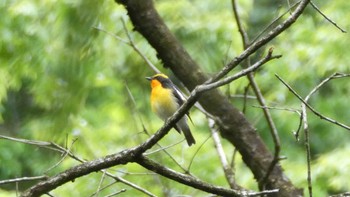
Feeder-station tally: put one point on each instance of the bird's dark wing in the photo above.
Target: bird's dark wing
(180, 99)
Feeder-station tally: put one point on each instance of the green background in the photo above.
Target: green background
(62, 79)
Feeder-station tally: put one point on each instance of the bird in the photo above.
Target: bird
(165, 100)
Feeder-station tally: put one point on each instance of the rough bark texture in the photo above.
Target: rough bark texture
(233, 125)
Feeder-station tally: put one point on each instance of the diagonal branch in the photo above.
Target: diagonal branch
(22, 179)
(311, 108)
(194, 182)
(264, 40)
(228, 171)
(306, 126)
(327, 18)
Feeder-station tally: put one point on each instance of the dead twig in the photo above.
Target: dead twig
(229, 173)
(327, 18)
(311, 108)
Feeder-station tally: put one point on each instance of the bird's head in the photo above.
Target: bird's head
(160, 79)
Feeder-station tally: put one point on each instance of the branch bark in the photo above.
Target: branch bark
(233, 125)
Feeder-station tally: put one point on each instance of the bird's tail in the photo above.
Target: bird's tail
(183, 126)
(189, 137)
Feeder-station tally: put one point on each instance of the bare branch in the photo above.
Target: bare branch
(196, 152)
(132, 44)
(97, 193)
(273, 22)
(261, 42)
(328, 19)
(116, 193)
(311, 108)
(241, 30)
(261, 99)
(23, 179)
(102, 188)
(58, 148)
(194, 182)
(211, 85)
(306, 127)
(307, 148)
(345, 194)
(48, 145)
(229, 173)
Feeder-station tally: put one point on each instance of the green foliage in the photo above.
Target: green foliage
(62, 79)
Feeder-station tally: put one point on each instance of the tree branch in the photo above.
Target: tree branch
(233, 125)
(327, 18)
(194, 182)
(311, 108)
(22, 179)
(229, 173)
(261, 100)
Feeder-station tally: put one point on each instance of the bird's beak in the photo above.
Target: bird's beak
(149, 78)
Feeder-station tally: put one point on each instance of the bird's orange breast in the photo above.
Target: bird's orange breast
(163, 102)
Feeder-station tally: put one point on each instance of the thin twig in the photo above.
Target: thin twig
(229, 173)
(307, 149)
(58, 148)
(131, 43)
(105, 187)
(22, 179)
(97, 193)
(195, 154)
(306, 127)
(345, 194)
(62, 159)
(162, 148)
(260, 97)
(244, 35)
(43, 144)
(136, 111)
(272, 126)
(195, 182)
(232, 163)
(211, 85)
(116, 193)
(290, 8)
(327, 18)
(311, 108)
(333, 76)
(304, 120)
(279, 108)
(300, 114)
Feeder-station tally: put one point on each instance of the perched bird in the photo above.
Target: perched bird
(165, 100)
